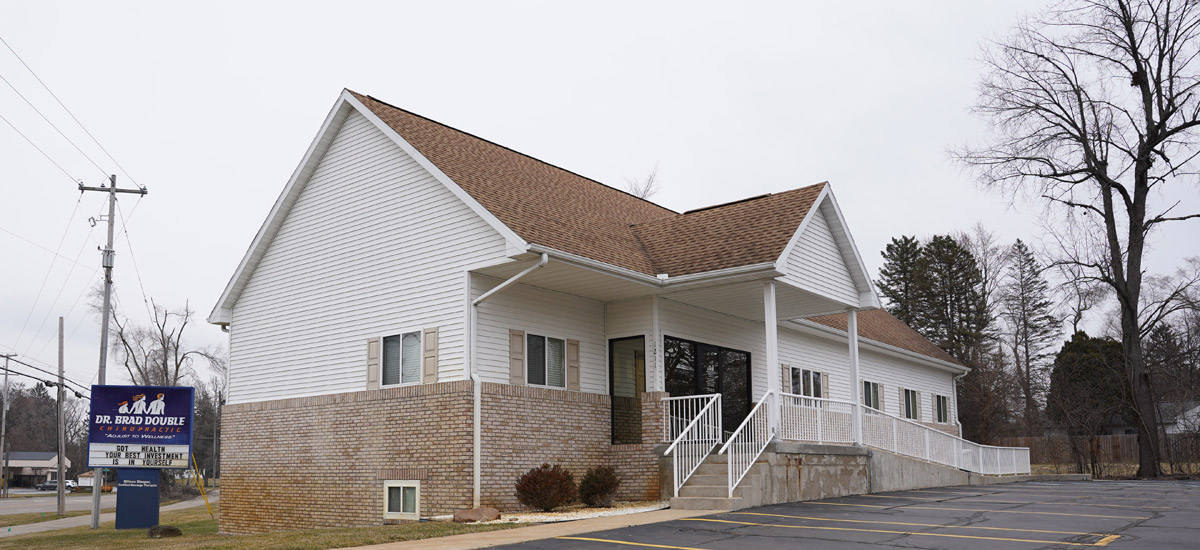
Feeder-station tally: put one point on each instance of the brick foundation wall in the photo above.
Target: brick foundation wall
(524, 427)
(321, 461)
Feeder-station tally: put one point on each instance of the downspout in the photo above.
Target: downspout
(476, 384)
(955, 380)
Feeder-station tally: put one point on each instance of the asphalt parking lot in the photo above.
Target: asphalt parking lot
(1109, 514)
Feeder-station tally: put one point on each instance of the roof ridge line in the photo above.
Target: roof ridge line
(526, 155)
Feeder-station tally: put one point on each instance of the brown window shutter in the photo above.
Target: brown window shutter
(918, 405)
(881, 393)
(639, 371)
(429, 356)
(516, 357)
(573, 365)
(785, 373)
(372, 363)
(824, 386)
(902, 403)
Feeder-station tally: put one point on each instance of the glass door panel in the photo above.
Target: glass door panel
(627, 381)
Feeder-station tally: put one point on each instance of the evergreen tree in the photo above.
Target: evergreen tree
(950, 299)
(898, 278)
(1087, 385)
(1030, 329)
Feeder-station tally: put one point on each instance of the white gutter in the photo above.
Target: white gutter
(661, 281)
(476, 384)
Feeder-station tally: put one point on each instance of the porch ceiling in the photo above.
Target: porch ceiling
(742, 297)
(745, 300)
(572, 279)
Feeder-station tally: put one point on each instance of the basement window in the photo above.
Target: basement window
(401, 499)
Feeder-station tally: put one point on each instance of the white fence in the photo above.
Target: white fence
(695, 423)
(813, 419)
(830, 421)
(748, 442)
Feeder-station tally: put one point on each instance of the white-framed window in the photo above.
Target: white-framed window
(807, 383)
(401, 499)
(870, 396)
(943, 409)
(545, 361)
(912, 405)
(401, 359)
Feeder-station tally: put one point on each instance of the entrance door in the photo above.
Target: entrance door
(693, 368)
(627, 381)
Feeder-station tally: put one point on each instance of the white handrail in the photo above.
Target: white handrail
(747, 443)
(695, 441)
(899, 435)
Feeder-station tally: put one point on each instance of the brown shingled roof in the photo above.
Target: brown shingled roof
(740, 233)
(553, 207)
(542, 203)
(881, 326)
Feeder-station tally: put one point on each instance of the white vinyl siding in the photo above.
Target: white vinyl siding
(373, 245)
(537, 311)
(895, 372)
(816, 262)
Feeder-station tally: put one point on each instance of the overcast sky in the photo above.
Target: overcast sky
(211, 105)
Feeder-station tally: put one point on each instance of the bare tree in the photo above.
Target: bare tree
(643, 188)
(1092, 107)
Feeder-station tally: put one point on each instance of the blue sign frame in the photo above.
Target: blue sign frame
(141, 427)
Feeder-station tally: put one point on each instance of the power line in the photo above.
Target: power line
(52, 125)
(132, 258)
(48, 383)
(73, 117)
(50, 310)
(39, 149)
(85, 266)
(55, 374)
(45, 278)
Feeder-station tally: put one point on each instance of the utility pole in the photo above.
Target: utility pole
(4, 431)
(106, 260)
(62, 438)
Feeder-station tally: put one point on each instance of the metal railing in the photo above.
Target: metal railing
(900, 436)
(814, 419)
(695, 421)
(680, 411)
(748, 442)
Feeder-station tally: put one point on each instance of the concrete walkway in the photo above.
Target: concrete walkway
(86, 520)
(537, 532)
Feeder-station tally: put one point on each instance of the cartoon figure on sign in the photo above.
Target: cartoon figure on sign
(124, 407)
(157, 406)
(139, 404)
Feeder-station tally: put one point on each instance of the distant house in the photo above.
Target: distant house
(30, 468)
(425, 315)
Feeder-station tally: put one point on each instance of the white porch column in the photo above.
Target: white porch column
(855, 381)
(771, 322)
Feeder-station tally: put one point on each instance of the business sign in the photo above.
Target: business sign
(137, 498)
(140, 427)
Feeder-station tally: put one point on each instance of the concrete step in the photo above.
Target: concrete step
(706, 503)
(711, 469)
(713, 490)
(703, 480)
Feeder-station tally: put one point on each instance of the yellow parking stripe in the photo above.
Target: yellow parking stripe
(888, 532)
(927, 525)
(976, 510)
(631, 543)
(1090, 494)
(1031, 502)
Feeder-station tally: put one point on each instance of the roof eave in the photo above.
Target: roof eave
(814, 327)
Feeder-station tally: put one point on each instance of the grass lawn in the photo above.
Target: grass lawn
(38, 517)
(200, 531)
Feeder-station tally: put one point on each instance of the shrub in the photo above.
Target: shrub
(546, 487)
(598, 486)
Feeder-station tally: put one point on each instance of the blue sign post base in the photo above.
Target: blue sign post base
(137, 498)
